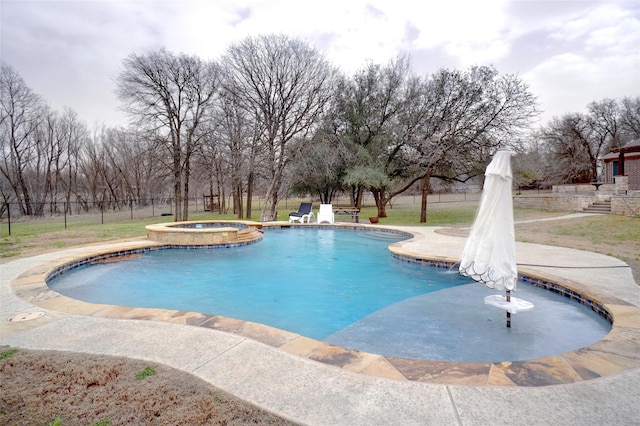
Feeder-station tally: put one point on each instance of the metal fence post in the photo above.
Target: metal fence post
(65, 214)
(9, 217)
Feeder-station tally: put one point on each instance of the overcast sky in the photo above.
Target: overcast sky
(569, 52)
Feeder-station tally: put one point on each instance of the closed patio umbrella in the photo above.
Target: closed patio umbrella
(489, 255)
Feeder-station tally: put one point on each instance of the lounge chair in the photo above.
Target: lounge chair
(303, 214)
(326, 213)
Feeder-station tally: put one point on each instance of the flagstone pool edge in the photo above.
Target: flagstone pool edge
(616, 353)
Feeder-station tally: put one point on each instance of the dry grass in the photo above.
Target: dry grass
(36, 387)
(616, 236)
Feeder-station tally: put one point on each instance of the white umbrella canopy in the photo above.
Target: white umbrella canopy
(489, 255)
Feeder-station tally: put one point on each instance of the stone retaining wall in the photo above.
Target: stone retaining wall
(578, 197)
(622, 204)
(627, 205)
(554, 202)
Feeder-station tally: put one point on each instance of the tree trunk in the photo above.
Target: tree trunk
(26, 197)
(272, 195)
(274, 206)
(177, 182)
(356, 196)
(237, 201)
(265, 206)
(381, 203)
(425, 193)
(185, 201)
(187, 173)
(359, 195)
(249, 195)
(177, 200)
(222, 200)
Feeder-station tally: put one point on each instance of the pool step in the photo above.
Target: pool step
(252, 235)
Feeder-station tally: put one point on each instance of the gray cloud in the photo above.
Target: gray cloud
(569, 52)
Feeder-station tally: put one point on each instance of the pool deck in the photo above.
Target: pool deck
(312, 383)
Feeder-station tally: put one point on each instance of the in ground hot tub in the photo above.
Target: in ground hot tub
(205, 233)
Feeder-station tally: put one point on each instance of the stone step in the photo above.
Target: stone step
(244, 237)
(592, 210)
(599, 207)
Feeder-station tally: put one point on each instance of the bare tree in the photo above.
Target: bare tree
(368, 108)
(574, 142)
(577, 141)
(231, 149)
(282, 83)
(320, 168)
(211, 167)
(40, 166)
(468, 115)
(529, 164)
(445, 126)
(73, 134)
(630, 117)
(574, 149)
(605, 123)
(170, 95)
(20, 111)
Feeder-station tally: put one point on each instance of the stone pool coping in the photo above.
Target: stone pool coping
(178, 233)
(614, 354)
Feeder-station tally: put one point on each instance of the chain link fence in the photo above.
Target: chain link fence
(64, 215)
(70, 213)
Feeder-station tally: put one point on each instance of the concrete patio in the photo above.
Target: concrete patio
(291, 383)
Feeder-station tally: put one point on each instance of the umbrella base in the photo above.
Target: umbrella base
(514, 306)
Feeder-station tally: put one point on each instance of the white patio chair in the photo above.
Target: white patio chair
(326, 213)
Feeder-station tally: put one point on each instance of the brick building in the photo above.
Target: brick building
(624, 161)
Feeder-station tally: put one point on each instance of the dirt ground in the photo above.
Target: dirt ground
(40, 387)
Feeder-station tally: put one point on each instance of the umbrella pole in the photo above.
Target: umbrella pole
(508, 313)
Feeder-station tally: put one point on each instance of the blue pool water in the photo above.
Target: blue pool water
(341, 286)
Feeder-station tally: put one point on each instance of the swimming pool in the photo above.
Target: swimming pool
(333, 285)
